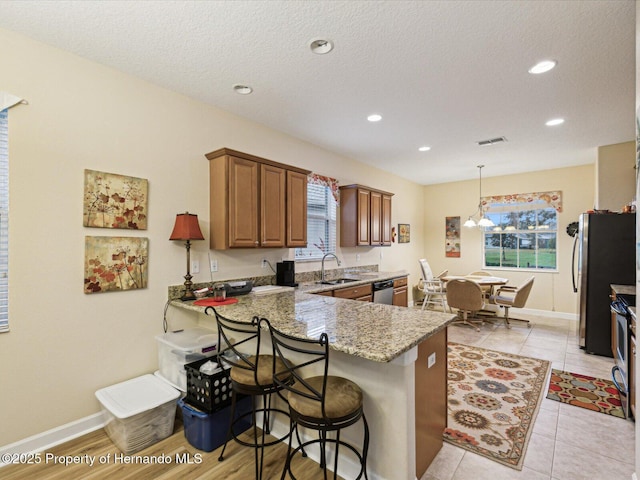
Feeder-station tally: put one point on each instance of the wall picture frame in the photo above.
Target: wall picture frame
(115, 263)
(452, 237)
(404, 233)
(114, 201)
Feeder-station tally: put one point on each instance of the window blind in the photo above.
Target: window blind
(321, 223)
(4, 221)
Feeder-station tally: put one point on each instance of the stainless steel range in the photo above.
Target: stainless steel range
(620, 372)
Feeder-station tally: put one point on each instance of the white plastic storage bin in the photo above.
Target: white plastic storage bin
(138, 412)
(175, 349)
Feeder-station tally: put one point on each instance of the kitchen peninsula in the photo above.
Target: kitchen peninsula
(397, 355)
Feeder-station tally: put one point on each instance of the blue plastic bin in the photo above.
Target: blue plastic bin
(208, 431)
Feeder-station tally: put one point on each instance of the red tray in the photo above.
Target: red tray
(210, 302)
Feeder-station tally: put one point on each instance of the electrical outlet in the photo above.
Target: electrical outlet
(264, 263)
(195, 266)
(357, 257)
(214, 265)
(431, 360)
(381, 254)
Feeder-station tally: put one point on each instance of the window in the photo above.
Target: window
(321, 218)
(4, 221)
(525, 232)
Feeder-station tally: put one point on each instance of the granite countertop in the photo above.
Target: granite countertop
(623, 289)
(373, 331)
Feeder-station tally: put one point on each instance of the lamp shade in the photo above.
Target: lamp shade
(186, 227)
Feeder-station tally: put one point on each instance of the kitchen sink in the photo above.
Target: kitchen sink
(338, 281)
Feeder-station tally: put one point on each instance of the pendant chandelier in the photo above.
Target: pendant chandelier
(483, 221)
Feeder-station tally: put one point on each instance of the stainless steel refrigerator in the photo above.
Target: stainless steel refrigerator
(606, 255)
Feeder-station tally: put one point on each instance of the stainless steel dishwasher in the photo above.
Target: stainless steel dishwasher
(383, 292)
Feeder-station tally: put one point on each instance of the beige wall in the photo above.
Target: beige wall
(63, 344)
(551, 291)
(615, 176)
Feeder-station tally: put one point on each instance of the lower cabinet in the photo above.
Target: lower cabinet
(401, 292)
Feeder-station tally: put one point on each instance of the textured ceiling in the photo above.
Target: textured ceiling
(442, 73)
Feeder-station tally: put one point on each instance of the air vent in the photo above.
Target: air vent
(492, 141)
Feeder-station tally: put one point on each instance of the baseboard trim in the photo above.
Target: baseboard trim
(547, 313)
(46, 440)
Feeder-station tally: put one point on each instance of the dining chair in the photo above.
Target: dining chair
(467, 297)
(433, 287)
(487, 290)
(508, 296)
(322, 402)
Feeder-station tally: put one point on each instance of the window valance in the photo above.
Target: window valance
(331, 183)
(552, 199)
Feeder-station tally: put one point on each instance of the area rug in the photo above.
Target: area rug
(586, 392)
(493, 400)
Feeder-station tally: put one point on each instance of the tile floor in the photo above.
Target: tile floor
(567, 443)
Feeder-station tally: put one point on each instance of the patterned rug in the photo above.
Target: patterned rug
(587, 392)
(493, 400)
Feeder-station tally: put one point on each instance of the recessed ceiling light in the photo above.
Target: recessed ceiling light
(554, 122)
(424, 149)
(543, 66)
(242, 89)
(321, 46)
(374, 118)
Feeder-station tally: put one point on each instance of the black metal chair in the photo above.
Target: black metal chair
(251, 374)
(325, 403)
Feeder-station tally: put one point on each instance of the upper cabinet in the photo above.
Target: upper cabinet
(255, 202)
(365, 216)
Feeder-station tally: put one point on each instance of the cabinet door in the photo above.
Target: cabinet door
(376, 218)
(364, 197)
(296, 209)
(272, 203)
(243, 203)
(366, 298)
(400, 297)
(385, 225)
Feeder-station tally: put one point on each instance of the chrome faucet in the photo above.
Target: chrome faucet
(323, 258)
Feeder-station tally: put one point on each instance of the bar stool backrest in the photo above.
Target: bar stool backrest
(306, 352)
(233, 334)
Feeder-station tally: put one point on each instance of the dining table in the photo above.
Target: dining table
(484, 281)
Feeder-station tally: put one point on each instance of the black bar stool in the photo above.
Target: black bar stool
(251, 374)
(325, 403)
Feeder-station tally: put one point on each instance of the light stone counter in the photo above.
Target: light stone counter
(369, 330)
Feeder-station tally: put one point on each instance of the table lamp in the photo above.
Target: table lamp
(187, 228)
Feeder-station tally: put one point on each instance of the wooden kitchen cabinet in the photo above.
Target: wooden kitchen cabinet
(401, 292)
(365, 216)
(296, 209)
(255, 202)
(364, 293)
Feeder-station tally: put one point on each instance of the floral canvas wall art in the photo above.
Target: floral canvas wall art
(452, 237)
(114, 201)
(115, 263)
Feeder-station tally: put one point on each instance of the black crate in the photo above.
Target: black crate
(209, 393)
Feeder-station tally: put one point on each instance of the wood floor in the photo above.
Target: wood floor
(238, 463)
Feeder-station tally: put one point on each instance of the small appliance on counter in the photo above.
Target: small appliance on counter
(238, 288)
(286, 273)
